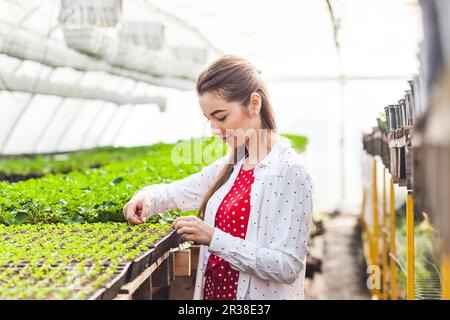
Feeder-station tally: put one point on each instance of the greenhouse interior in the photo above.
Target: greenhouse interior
(105, 121)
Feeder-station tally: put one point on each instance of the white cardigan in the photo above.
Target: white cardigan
(272, 257)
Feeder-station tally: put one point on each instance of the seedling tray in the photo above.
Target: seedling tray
(112, 288)
(98, 295)
(140, 264)
(170, 240)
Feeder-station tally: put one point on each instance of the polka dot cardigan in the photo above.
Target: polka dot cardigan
(271, 256)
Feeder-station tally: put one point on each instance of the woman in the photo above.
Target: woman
(256, 202)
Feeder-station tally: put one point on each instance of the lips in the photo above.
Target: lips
(226, 138)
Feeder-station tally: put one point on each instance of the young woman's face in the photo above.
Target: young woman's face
(231, 121)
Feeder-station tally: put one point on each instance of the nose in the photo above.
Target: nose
(216, 130)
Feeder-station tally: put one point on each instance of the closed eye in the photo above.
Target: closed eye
(222, 119)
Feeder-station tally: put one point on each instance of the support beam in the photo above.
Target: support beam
(92, 124)
(384, 235)
(124, 121)
(54, 114)
(410, 247)
(63, 135)
(100, 110)
(107, 124)
(375, 256)
(445, 267)
(392, 250)
(24, 44)
(47, 125)
(46, 87)
(15, 123)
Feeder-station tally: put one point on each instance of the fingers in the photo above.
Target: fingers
(187, 227)
(191, 228)
(145, 211)
(187, 237)
(132, 213)
(185, 230)
(135, 219)
(124, 211)
(181, 224)
(183, 220)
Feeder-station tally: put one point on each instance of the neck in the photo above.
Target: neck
(259, 145)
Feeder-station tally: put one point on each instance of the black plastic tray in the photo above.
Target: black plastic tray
(98, 295)
(112, 288)
(140, 264)
(170, 240)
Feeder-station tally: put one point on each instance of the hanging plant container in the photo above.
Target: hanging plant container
(149, 35)
(102, 13)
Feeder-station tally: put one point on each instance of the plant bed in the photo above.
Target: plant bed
(26, 286)
(65, 162)
(91, 195)
(72, 261)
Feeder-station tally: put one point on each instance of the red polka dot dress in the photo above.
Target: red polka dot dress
(232, 217)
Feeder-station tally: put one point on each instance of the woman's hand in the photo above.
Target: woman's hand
(138, 208)
(192, 228)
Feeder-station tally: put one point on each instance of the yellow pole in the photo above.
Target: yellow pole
(384, 270)
(410, 247)
(392, 241)
(363, 208)
(445, 269)
(375, 222)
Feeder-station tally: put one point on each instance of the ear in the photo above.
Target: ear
(255, 103)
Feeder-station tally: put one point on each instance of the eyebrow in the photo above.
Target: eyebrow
(214, 112)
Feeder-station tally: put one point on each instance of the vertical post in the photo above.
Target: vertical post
(384, 270)
(445, 269)
(144, 292)
(375, 221)
(363, 204)
(392, 242)
(363, 213)
(410, 247)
